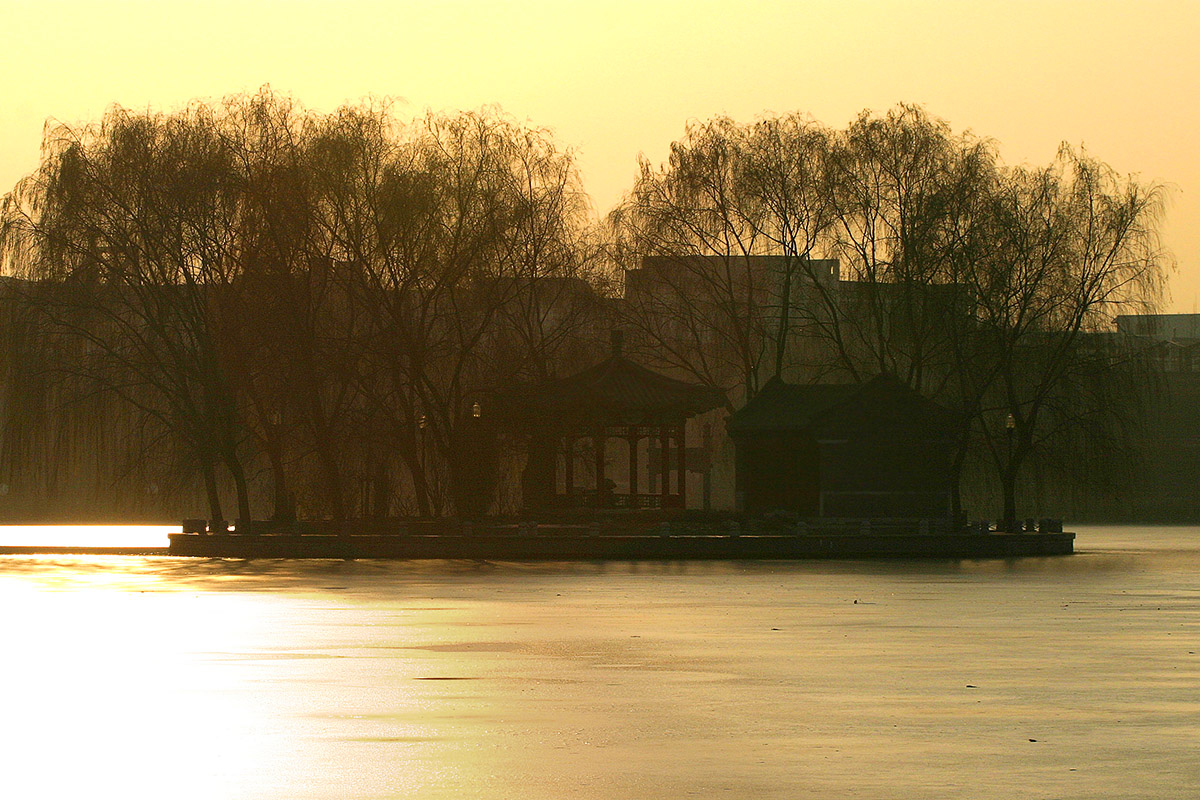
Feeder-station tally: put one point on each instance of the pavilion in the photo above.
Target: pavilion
(864, 450)
(569, 422)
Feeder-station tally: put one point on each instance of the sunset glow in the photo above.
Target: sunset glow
(624, 399)
(615, 79)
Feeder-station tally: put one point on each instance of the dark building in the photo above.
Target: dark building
(866, 451)
(1164, 485)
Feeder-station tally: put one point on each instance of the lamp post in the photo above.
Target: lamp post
(422, 424)
(473, 465)
(1010, 512)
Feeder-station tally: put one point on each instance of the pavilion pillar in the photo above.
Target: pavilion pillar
(633, 469)
(664, 444)
(569, 467)
(681, 468)
(598, 444)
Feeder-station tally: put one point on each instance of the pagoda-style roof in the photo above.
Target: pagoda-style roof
(620, 385)
(616, 389)
(882, 405)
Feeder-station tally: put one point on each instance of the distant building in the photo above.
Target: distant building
(722, 320)
(761, 273)
(1167, 327)
(1174, 339)
(1166, 484)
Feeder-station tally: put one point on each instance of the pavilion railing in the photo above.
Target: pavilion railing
(593, 499)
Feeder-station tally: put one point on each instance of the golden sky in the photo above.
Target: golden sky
(614, 79)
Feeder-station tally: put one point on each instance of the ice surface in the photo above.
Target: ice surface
(1067, 677)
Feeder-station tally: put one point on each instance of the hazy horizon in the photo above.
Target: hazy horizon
(617, 79)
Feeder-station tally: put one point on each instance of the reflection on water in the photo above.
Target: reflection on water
(86, 535)
(1067, 677)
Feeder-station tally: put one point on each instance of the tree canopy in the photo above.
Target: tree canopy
(316, 303)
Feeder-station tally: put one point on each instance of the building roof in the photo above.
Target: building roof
(619, 384)
(880, 406)
(616, 389)
(1160, 326)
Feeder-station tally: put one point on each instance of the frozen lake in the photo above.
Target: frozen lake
(1068, 677)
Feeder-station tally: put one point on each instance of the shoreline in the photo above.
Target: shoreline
(81, 550)
(607, 547)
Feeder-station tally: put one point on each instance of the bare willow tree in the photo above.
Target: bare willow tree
(910, 203)
(330, 300)
(901, 184)
(283, 361)
(1071, 246)
(706, 298)
(992, 290)
(327, 298)
(131, 222)
(739, 224)
(455, 231)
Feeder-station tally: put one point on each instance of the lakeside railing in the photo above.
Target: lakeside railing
(626, 523)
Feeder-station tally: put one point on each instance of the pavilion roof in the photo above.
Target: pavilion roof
(616, 388)
(883, 405)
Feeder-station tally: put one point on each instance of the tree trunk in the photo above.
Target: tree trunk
(956, 468)
(380, 489)
(332, 482)
(215, 514)
(1017, 452)
(781, 334)
(234, 465)
(420, 486)
(331, 475)
(1008, 482)
(411, 457)
(283, 501)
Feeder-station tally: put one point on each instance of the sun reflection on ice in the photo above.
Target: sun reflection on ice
(152, 677)
(86, 535)
(110, 693)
